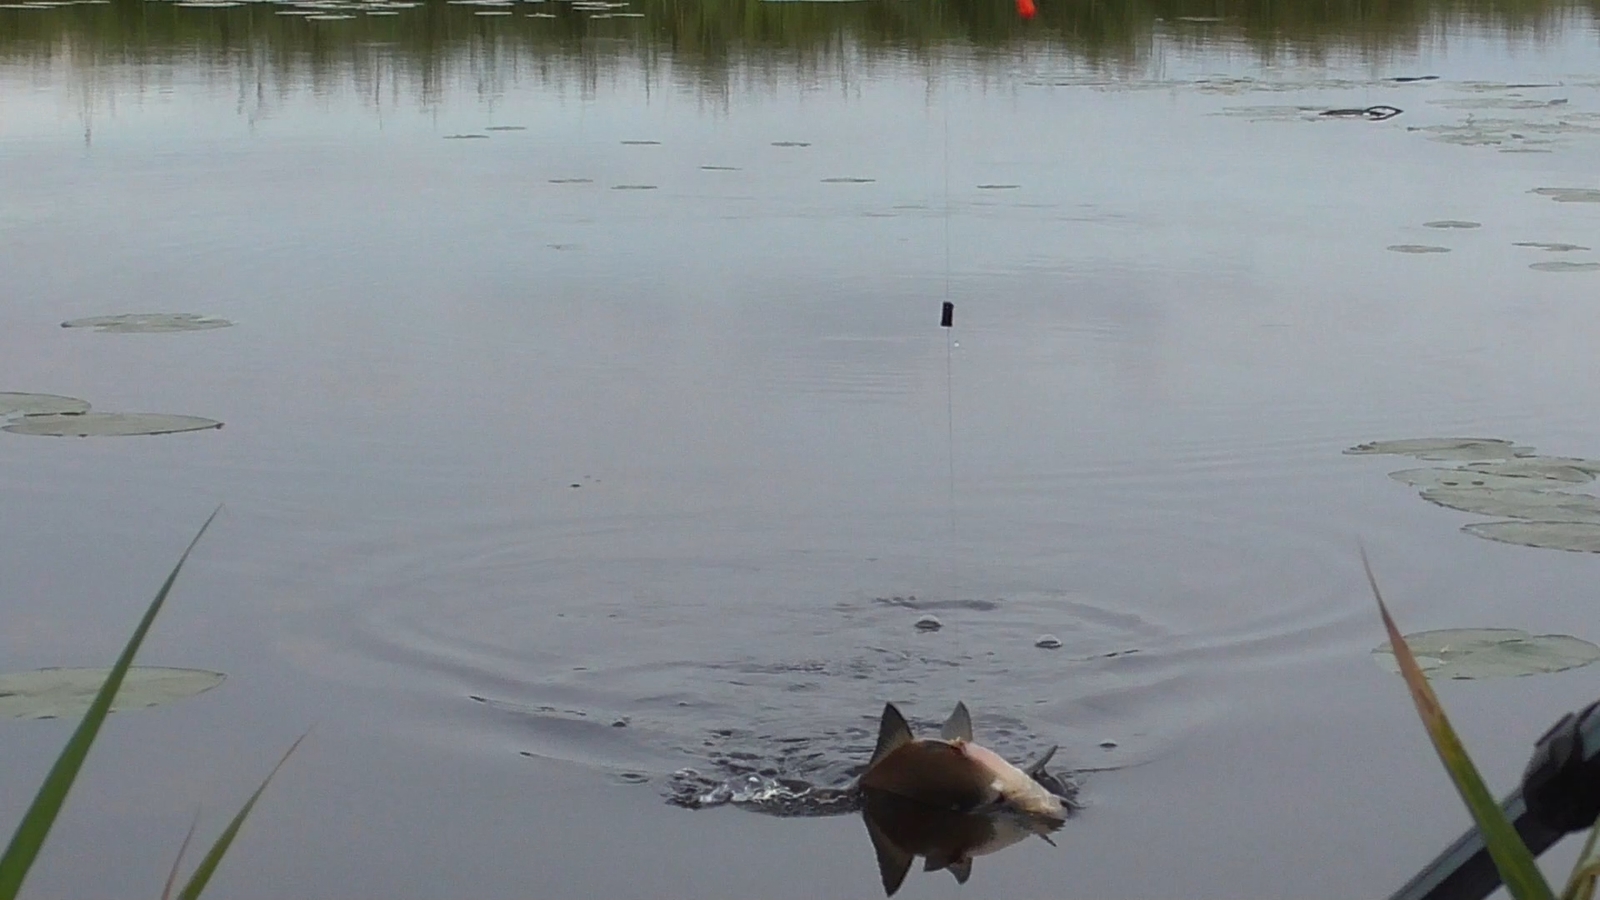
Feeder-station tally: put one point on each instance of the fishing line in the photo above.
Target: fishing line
(947, 322)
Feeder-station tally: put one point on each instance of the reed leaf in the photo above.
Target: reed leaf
(41, 815)
(208, 865)
(1511, 856)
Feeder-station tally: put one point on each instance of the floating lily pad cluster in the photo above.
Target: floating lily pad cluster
(52, 415)
(53, 693)
(1532, 495)
(1507, 480)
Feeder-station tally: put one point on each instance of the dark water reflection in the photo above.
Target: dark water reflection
(616, 440)
(714, 43)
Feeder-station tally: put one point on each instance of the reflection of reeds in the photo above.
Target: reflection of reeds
(716, 43)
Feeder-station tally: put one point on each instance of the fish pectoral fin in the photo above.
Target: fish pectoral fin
(961, 869)
(959, 726)
(1037, 766)
(893, 733)
(894, 861)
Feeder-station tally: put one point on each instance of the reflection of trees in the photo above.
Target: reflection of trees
(712, 44)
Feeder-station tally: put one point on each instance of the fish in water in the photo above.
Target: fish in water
(953, 773)
(901, 830)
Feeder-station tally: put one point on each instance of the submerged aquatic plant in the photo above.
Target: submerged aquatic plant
(35, 826)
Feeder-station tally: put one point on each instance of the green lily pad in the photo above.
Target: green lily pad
(1441, 449)
(15, 404)
(1418, 248)
(1577, 537)
(1569, 195)
(1471, 653)
(67, 693)
(1474, 478)
(108, 424)
(1547, 506)
(1550, 246)
(1544, 468)
(1561, 265)
(148, 323)
(1451, 223)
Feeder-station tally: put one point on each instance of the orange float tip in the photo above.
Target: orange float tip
(1025, 8)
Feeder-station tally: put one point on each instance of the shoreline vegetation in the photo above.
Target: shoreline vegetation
(718, 42)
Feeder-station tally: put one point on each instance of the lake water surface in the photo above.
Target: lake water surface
(620, 438)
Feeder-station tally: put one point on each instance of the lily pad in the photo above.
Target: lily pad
(1471, 653)
(1535, 470)
(1553, 247)
(1474, 478)
(1452, 223)
(67, 693)
(108, 424)
(1441, 449)
(148, 323)
(1578, 537)
(847, 179)
(15, 404)
(1561, 265)
(1538, 463)
(1417, 248)
(1569, 195)
(1549, 506)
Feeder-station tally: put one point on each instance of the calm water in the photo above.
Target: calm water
(543, 485)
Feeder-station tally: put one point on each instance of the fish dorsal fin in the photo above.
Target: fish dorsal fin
(1037, 766)
(961, 869)
(893, 733)
(959, 726)
(894, 861)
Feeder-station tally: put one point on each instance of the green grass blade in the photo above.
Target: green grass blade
(1518, 871)
(47, 803)
(202, 873)
(172, 874)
